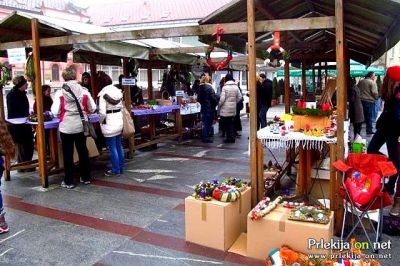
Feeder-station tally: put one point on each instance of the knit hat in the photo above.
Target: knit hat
(393, 73)
(19, 81)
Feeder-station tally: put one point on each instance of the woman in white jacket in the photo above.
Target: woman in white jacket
(230, 96)
(111, 122)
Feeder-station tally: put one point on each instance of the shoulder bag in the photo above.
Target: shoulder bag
(128, 129)
(88, 128)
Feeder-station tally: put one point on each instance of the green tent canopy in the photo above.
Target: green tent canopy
(356, 70)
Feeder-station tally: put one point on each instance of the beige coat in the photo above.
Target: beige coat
(230, 96)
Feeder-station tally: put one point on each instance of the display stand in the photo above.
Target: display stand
(54, 165)
(154, 137)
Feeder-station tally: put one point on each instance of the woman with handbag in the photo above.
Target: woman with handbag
(388, 131)
(111, 122)
(73, 104)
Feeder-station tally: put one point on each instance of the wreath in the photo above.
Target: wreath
(224, 63)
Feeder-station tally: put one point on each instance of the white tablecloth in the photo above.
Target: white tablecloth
(294, 139)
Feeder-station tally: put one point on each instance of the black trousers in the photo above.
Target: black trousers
(68, 141)
(229, 126)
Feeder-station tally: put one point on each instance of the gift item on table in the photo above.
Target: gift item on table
(204, 190)
(264, 207)
(226, 193)
(292, 205)
(235, 182)
(47, 116)
(309, 214)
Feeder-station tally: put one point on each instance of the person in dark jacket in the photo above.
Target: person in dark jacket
(264, 98)
(47, 101)
(388, 131)
(206, 97)
(86, 81)
(356, 112)
(17, 107)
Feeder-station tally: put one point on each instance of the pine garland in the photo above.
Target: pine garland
(310, 111)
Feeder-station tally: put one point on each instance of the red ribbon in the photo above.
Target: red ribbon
(219, 31)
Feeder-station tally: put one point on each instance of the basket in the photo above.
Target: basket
(163, 102)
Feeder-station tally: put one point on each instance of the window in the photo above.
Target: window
(115, 72)
(142, 75)
(156, 75)
(55, 72)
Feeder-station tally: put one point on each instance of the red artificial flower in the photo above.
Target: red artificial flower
(299, 104)
(326, 107)
(307, 127)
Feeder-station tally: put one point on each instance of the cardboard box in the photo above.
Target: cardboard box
(321, 186)
(91, 146)
(275, 230)
(216, 224)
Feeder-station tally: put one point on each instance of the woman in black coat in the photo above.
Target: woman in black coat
(17, 107)
(356, 113)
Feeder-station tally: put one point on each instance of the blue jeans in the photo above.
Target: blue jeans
(117, 154)
(207, 119)
(369, 110)
(262, 115)
(1, 197)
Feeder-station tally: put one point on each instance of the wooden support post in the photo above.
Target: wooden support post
(41, 145)
(254, 160)
(128, 105)
(320, 76)
(313, 80)
(2, 115)
(341, 93)
(334, 184)
(287, 87)
(301, 172)
(303, 81)
(93, 78)
(260, 171)
(150, 94)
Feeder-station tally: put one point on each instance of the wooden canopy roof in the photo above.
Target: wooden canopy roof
(371, 27)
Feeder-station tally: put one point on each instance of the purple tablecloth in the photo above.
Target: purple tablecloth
(157, 110)
(48, 124)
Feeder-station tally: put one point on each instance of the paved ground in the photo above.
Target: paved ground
(134, 219)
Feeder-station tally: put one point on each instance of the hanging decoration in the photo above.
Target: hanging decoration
(220, 44)
(30, 72)
(5, 71)
(275, 55)
(218, 32)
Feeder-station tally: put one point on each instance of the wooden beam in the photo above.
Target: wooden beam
(128, 105)
(230, 28)
(269, 15)
(340, 94)
(150, 82)
(183, 50)
(254, 159)
(41, 144)
(303, 81)
(287, 87)
(93, 77)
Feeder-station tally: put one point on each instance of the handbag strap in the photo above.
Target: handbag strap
(78, 105)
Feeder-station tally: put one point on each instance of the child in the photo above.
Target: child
(6, 147)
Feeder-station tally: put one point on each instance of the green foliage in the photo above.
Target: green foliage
(310, 111)
(275, 88)
(5, 75)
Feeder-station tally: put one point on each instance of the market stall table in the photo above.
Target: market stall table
(52, 126)
(305, 144)
(152, 112)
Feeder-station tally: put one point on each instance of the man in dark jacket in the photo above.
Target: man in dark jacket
(17, 107)
(206, 97)
(264, 98)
